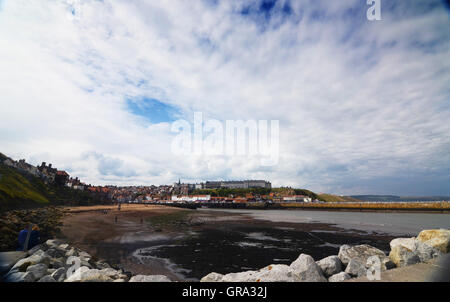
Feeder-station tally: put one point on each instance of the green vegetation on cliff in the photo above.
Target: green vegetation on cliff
(19, 190)
(337, 198)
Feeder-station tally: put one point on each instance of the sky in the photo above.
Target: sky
(363, 106)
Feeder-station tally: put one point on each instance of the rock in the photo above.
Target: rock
(17, 276)
(63, 246)
(86, 263)
(110, 272)
(439, 238)
(402, 256)
(37, 257)
(355, 268)
(150, 278)
(53, 243)
(361, 253)
(409, 243)
(247, 276)
(71, 252)
(307, 269)
(55, 253)
(423, 250)
(35, 249)
(330, 265)
(277, 273)
(84, 274)
(427, 252)
(212, 277)
(271, 273)
(387, 264)
(120, 280)
(84, 256)
(339, 277)
(60, 274)
(47, 279)
(51, 271)
(38, 270)
(57, 263)
(102, 265)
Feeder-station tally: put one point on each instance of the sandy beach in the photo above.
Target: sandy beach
(187, 244)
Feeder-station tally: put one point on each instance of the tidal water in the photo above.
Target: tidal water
(387, 222)
(278, 237)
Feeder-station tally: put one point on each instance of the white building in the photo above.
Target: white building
(297, 198)
(194, 198)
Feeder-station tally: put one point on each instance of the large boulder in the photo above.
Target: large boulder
(247, 276)
(277, 273)
(427, 252)
(212, 277)
(307, 269)
(439, 239)
(409, 243)
(355, 268)
(17, 276)
(402, 256)
(84, 274)
(361, 253)
(38, 270)
(339, 277)
(405, 250)
(36, 258)
(149, 278)
(330, 265)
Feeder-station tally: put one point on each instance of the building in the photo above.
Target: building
(240, 184)
(194, 198)
(61, 178)
(297, 198)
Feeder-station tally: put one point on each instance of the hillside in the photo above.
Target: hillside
(395, 198)
(337, 198)
(20, 190)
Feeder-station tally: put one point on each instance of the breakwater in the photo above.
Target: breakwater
(432, 207)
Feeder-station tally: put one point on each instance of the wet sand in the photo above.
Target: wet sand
(188, 244)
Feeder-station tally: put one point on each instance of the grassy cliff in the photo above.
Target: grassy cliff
(20, 190)
(337, 198)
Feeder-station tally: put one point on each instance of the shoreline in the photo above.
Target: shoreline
(389, 207)
(154, 241)
(88, 229)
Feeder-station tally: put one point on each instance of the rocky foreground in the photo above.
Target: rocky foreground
(56, 261)
(351, 262)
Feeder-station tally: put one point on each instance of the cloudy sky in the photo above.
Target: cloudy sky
(363, 106)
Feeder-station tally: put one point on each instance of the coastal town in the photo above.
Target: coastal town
(249, 191)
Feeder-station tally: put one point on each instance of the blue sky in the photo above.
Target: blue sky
(363, 106)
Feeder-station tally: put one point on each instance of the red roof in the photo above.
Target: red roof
(64, 173)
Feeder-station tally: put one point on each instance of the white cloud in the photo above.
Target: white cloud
(356, 100)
